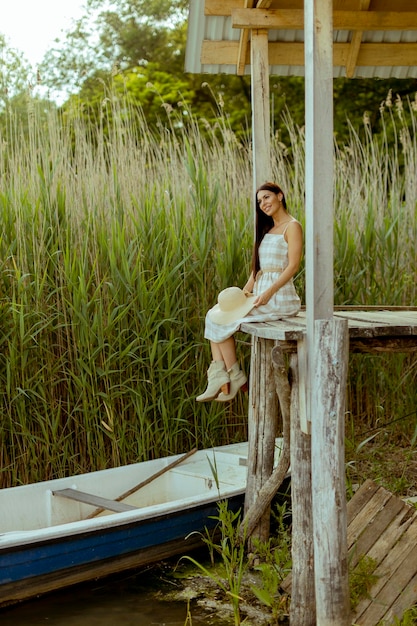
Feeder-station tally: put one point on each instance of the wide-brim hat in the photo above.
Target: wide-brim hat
(232, 304)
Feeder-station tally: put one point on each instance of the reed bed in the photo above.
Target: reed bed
(116, 239)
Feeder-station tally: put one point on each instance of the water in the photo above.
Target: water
(125, 600)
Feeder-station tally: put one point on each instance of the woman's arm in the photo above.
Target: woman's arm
(248, 288)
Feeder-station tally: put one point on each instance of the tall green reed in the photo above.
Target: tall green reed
(114, 243)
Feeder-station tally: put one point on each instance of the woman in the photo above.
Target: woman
(275, 260)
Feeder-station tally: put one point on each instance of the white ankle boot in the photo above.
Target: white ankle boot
(218, 380)
(238, 381)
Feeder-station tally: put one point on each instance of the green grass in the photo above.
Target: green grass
(114, 243)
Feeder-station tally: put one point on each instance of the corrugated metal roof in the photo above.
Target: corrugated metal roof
(216, 30)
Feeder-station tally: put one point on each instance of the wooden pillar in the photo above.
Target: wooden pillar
(328, 473)
(261, 125)
(302, 610)
(262, 428)
(269, 488)
(319, 157)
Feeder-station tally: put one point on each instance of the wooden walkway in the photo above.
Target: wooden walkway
(383, 528)
(317, 461)
(371, 329)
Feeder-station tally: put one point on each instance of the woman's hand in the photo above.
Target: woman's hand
(263, 298)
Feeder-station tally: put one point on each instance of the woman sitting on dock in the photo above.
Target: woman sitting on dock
(269, 293)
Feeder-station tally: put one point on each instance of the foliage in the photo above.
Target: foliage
(14, 73)
(103, 270)
(129, 38)
(409, 618)
(231, 549)
(274, 565)
(362, 579)
(115, 241)
(121, 35)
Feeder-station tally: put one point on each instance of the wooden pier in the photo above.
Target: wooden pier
(315, 449)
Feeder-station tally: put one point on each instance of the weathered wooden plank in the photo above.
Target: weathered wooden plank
(293, 19)
(391, 591)
(389, 538)
(262, 427)
(387, 569)
(360, 498)
(278, 331)
(305, 422)
(366, 515)
(271, 486)
(405, 600)
(328, 472)
(221, 7)
(222, 52)
(380, 523)
(301, 579)
(261, 125)
(396, 327)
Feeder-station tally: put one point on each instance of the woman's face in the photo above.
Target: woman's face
(269, 202)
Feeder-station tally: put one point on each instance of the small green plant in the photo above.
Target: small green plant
(275, 557)
(188, 619)
(231, 549)
(409, 618)
(362, 579)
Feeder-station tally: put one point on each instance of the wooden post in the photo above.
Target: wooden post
(261, 125)
(269, 488)
(262, 428)
(302, 610)
(328, 473)
(318, 51)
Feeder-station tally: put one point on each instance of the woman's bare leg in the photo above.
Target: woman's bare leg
(224, 351)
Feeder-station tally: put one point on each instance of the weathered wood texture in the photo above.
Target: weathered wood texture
(260, 107)
(303, 605)
(395, 329)
(262, 428)
(328, 472)
(384, 528)
(270, 488)
(382, 325)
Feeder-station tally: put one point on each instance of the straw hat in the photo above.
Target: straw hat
(232, 304)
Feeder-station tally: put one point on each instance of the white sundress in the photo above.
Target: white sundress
(273, 258)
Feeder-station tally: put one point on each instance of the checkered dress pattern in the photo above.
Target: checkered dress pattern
(273, 257)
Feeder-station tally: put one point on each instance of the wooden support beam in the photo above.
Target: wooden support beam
(302, 610)
(223, 8)
(355, 44)
(262, 427)
(243, 44)
(370, 54)
(268, 490)
(357, 21)
(331, 352)
(261, 125)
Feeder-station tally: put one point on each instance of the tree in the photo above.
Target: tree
(135, 42)
(14, 73)
(117, 35)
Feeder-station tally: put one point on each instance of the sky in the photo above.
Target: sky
(32, 25)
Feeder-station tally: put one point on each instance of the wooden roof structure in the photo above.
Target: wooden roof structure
(371, 38)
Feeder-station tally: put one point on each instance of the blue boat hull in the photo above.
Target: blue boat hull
(29, 570)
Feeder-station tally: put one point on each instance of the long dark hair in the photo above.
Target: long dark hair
(263, 222)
